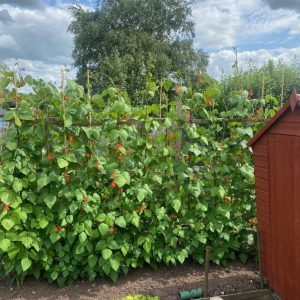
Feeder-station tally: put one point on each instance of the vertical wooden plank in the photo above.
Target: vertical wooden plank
(287, 211)
(278, 237)
(261, 165)
(290, 212)
(273, 219)
(179, 124)
(281, 162)
(296, 215)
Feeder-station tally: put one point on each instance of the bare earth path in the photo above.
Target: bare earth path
(165, 282)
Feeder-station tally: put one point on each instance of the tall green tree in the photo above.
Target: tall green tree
(122, 41)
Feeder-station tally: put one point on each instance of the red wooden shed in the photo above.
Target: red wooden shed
(276, 152)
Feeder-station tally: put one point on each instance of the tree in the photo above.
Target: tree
(122, 41)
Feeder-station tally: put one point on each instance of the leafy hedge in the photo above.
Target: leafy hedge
(81, 201)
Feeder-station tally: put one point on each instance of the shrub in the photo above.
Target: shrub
(94, 186)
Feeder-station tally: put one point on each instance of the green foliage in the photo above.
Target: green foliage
(271, 79)
(121, 45)
(82, 201)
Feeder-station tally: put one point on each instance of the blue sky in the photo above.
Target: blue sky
(34, 33)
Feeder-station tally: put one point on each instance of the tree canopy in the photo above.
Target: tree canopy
(125, 40)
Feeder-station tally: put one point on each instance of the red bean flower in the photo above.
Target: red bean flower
(58, 228)
(113, 184)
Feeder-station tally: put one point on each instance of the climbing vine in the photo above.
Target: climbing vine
(93, 186)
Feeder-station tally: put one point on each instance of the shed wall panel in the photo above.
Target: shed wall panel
(261, 173)
(282, 210)
(262, 194)
(261, 161)
(286, 128)
(291, 116)
(262, 184)
(261, 167)
(296, 214)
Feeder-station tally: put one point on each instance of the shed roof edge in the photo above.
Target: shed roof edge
(292, 102)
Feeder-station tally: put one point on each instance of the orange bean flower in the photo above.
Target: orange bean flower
(119, 147)
(97, 164)
(178, 90)
(252, 221)
(66, 98)
(67, 177)
(120, 156)
(209, 101)
(50, 156)
(5, 207)
(71, 139)
(86, 199)
(112, 230)
(170, 136)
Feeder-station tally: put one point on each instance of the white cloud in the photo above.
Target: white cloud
(267, 21)
(7, 42)
(289, 4)
(41, 70)
(37, 35)
(215, 24)
(33, 4)
(222, 61)
(223, 24)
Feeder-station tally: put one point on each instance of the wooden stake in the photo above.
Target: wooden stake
(63, 102)
(89, 97)
(179, 116)
(207, 258)
(62, 85)
(261, 278)
(179, 139)
(263, 87)
(160, 98)
(15, 88)
(282, 86)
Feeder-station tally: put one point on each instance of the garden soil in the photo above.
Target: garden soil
(164, 282)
